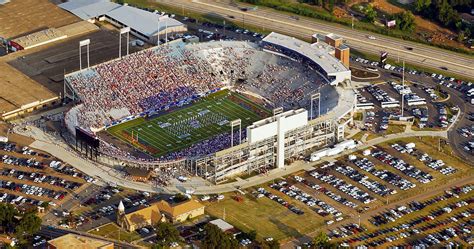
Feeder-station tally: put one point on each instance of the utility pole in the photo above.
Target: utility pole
(352, 21)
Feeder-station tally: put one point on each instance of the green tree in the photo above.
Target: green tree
(29, 224)
(252, 235)
(405, 21)
(322, 241)
(419, 5)
(274, 244)
(331, 5)
(215, 238)
(370, 14)
(166, 233)
(461, 36)
(7, 217)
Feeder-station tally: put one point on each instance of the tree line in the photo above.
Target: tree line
(20, 224)
(446, 12)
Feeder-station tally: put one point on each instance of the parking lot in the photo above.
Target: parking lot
(31, 178)
(442, 220)
(440, 93)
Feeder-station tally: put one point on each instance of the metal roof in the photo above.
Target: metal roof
(142, 21)
(224, 226)
(87, 9)
(319, 52)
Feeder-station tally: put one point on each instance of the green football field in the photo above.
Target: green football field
(178, 129)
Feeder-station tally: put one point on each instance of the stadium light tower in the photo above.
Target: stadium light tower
(123, 31)
(166, 30)
(313, 98)
(82, 44)
(158, 32)
(233, 123)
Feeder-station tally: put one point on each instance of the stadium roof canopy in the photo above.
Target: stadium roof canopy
(145, 22)
(88, 9)
(319, 53)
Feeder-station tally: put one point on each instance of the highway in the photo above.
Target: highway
(268, 19)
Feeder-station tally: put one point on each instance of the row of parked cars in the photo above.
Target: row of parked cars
(40, 178)
(346, 231)
(401, 165)
(392, 178)
(353, 191)
(32, 190)
(416, 227)
(423, 224)
(322, 208)
(327, 192)
(63, 168)
(21, 201)
(359, 177)
(379, 94)
(282, 202)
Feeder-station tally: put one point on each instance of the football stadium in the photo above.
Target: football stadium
(218, 108)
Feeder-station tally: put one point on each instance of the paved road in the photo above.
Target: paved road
(367, 215)
(427, 56)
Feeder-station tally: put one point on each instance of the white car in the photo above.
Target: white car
(371, 37)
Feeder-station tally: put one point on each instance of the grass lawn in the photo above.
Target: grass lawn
(358, 136)
(181, 128)
(392, 129)
(267, 217)
(111, 230)
(373, 135)
(358, 116)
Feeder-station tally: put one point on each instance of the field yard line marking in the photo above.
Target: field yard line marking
(146, 134)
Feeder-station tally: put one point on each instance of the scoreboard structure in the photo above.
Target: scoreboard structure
(87, 142)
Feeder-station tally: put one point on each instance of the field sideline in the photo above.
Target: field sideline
(181, 128)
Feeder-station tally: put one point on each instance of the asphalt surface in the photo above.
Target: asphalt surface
(268, 19)
(456, 98)
(366, 215)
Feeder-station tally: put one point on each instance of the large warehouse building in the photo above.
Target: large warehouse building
(145, 25)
